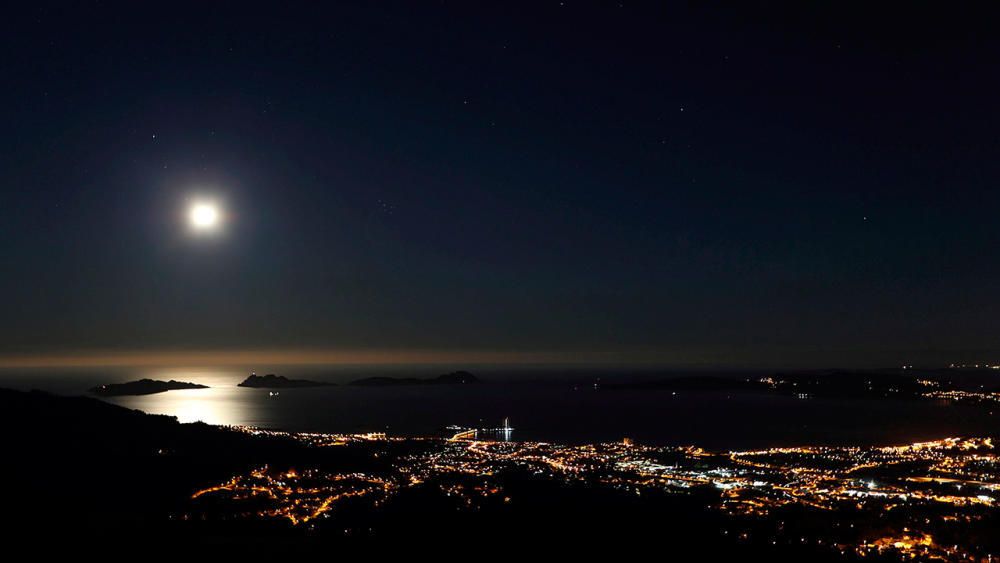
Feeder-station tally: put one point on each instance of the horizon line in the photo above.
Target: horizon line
(305, 357)
(647, 357)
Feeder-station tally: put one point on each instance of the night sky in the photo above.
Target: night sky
(538, 181)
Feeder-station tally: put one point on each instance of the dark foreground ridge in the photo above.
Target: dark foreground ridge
(453, 378)
(79, 465)
(271, 381)
(143, 387)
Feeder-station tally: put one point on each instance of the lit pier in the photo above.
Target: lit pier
(502, 433)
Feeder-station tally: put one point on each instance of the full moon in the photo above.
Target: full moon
(203, 216)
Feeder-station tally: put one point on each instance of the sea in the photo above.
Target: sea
(560, 405)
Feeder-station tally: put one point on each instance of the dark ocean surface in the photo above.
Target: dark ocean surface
(557, 405)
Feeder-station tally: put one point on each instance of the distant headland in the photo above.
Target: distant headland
(453, 378)
(142, 387)
(271, 381)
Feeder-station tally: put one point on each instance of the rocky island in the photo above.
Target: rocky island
(142, 387)
(453, 378)
(271, 381)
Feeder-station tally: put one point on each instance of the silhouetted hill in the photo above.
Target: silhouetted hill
(453, 378)
(142, 387)
(885, 383)
(271, 381)
(81, 464)
(900, 384)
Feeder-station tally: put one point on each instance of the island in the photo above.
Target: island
(271, 381)
(453, 378)
(142, 387)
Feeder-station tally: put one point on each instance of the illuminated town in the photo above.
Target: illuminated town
(958, 395)
(945, 486)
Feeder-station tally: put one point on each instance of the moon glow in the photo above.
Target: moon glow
(203, 216)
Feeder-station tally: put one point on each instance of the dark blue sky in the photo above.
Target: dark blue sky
(733, 185)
